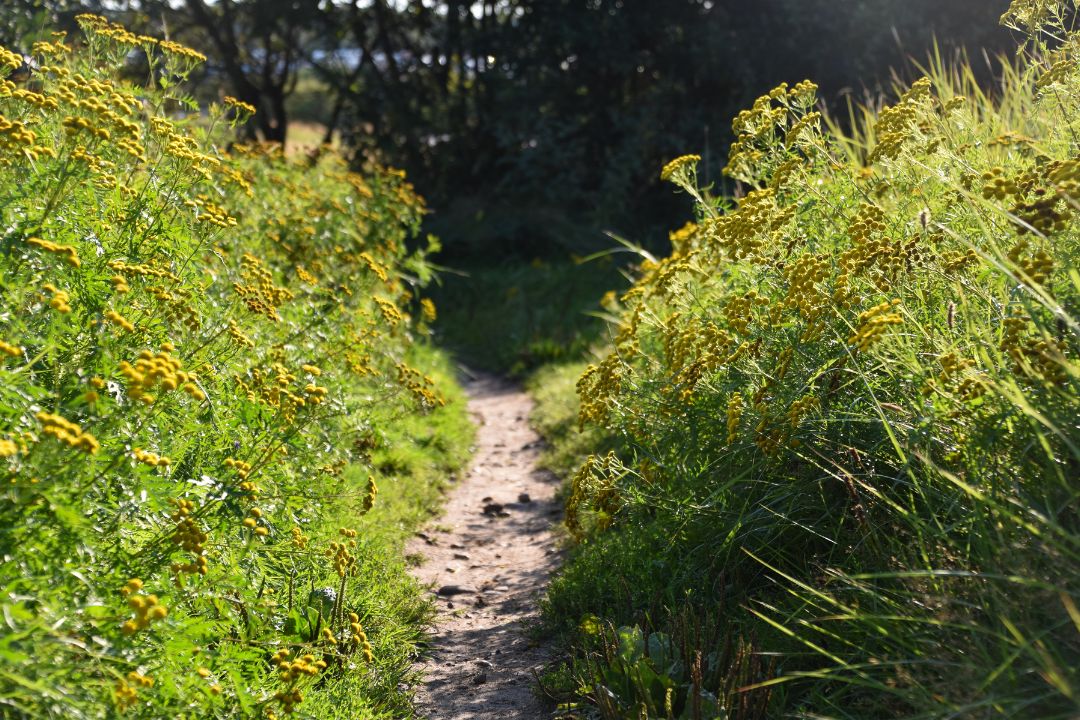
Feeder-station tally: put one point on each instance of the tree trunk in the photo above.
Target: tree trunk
(277, 122)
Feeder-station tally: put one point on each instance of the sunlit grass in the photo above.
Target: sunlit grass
(219, 417)
(846, 411)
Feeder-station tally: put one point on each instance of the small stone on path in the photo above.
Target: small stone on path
(507, 564)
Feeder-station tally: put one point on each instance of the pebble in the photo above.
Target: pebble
(480, 602)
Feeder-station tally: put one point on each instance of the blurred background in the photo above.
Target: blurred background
(535, 129)
(531, 126)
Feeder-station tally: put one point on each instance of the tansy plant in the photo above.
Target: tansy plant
(191, 340)
(849, 409)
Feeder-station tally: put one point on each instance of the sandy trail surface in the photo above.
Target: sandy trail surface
(487, 560)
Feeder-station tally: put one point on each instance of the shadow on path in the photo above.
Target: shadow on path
(488, 560)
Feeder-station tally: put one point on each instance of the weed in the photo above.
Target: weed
(845, 410)
(207, 358)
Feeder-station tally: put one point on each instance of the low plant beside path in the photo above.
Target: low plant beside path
(207, 351)
(846, 406)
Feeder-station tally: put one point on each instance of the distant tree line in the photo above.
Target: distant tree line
(532, 125)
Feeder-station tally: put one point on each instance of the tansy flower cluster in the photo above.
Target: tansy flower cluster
(895, 123)
(240, 105)
(290, 672)
(119, 320)
(258, 291)
(181, 51)
(131, 233)
(19, 140)
(158, 371)
(187, 533)
(58, 299)
(734, 416)
(68, 252)
(252, 522)
(147, 608)
(151, 459)
(70, 433)
(776, 135)
(873, 323)
(680, 169)
(420, 386)
(360, 637)
(126, 691)
(344, 561)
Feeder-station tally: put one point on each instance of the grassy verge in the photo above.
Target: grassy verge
(555, 417)
(210, 363)
(512, 319)
(414, 459)
(418, 454)
(846, 479)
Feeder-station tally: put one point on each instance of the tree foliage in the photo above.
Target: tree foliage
(532, 121)
(533, 124)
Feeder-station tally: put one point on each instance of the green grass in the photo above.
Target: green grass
(555, 417)
(844, 418)
(511, 319)
(419, 455)
(414, 461)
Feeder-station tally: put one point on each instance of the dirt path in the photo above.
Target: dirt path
(487, 560)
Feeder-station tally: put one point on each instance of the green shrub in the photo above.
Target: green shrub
(849, 403)
(208, 363)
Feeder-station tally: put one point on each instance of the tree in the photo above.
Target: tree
(259, 45)
(545, 121)
(21, 20)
